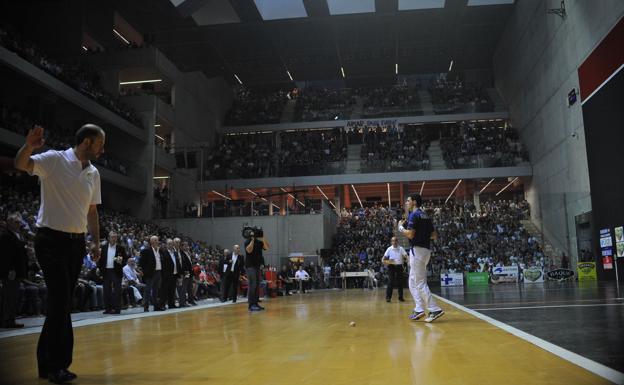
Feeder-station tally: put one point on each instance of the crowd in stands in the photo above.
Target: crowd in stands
(242, 156)
(56, 136)
(476, 144)
(317, 103)
(477, 240)
(468, 240)
(309, 152)
(394, 100)
(314, 104)
(394, 149)
(454, 95)
(260, 155)
(256, 107)
(75, 74)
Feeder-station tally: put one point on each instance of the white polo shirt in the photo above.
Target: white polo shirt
(395, 254)
(67, 190)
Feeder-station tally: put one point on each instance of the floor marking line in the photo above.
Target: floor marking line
(548, 306)
(576, 359)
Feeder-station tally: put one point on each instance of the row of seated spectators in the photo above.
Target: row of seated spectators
(392, 148)
(22, 198)
(77, 75)
(476, 144)
(314, 104)
(468, 240)
(454, 95)
(57, 136)
(258, 155)
(323, 103)
(394, 100)
(256, 107)
(477, 240)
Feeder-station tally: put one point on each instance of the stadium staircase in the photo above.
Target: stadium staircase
(436, 160)
(425, 102)
(499, 105)
(353, 159)
(288, 114)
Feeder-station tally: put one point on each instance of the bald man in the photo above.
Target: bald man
(151, 265)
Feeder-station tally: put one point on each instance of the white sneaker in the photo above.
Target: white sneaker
(434, 315)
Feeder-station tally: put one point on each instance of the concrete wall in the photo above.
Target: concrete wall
(535, 67)
(286, 234)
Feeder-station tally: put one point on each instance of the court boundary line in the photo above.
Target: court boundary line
(574, 358)
(549, 306)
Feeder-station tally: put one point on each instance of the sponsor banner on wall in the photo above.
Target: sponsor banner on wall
(354, 124)
(477, 279)
(505, 274)
(532, 275)
(452, 279)
(560, 274)
(586, 271)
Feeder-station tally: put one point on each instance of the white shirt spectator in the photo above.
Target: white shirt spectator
(67, 190)
(302, 275)
(130, 274)
(395, 255)
(234, 259)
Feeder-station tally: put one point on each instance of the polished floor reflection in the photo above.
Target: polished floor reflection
(304, 339)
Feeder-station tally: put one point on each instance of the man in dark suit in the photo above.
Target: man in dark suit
(113, 258)
(230, 267)
(13, 268)
(186, 289)
(151, 266)
(171, 272)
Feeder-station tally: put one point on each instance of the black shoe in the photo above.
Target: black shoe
(255, 308)
(160, 309)
(401, 300)
(388, 300)
(115, 312)
(107, 311)
(222, 300)
(193, 303)
(259, 307)
(185, 305)
(145, 309)
(61, 376)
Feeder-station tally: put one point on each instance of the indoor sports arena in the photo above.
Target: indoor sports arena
(319, 192)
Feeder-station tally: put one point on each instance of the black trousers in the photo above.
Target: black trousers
(253, 277)
(112, 290)
(229, 286)
(10, 290)
(152, 290)
(168, 290)
(186, 290)
(60, 258)
(395, 279)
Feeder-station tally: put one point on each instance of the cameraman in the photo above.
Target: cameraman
(253, 262)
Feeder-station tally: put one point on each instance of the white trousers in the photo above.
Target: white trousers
(418, 258)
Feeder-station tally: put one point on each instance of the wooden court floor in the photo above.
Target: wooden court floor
(303, 339)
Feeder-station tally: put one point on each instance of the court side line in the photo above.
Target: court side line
(585, 363)
(548, 306)
(115, 318)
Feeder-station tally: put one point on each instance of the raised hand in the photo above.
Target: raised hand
(35, 138)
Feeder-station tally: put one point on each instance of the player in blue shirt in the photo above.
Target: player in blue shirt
(419, 230)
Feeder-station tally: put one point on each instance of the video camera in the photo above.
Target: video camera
(256, 231)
